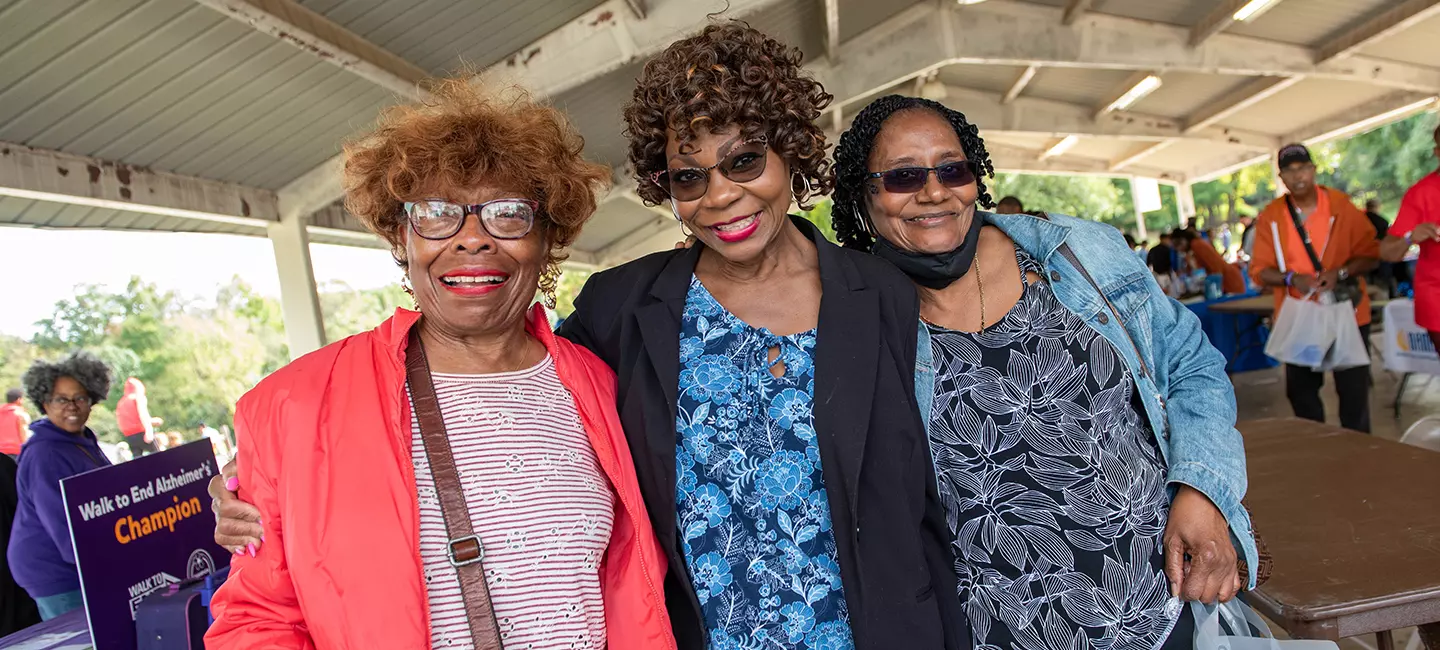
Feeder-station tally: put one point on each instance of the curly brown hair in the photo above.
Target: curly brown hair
(464, 135)
(730, 73)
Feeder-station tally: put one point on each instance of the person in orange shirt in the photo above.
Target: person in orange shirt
(1345, 242)
(1208, 258)
(14, 423)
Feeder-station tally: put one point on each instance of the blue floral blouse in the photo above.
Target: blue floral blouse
(753, 512)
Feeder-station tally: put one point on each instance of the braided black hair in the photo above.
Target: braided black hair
(848, 216)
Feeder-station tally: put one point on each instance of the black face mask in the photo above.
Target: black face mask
(933, 271)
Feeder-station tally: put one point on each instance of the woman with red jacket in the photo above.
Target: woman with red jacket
(456, 477)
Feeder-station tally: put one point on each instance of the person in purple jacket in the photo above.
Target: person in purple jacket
(40, 554)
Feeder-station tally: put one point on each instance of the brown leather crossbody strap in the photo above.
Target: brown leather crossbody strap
(465, 551)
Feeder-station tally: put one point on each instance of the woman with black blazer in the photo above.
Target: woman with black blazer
(766, 383)
(766, 375)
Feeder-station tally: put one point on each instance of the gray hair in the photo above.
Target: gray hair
(86, 368)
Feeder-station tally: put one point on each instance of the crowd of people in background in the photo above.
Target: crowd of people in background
(38, 576)
(691, 455)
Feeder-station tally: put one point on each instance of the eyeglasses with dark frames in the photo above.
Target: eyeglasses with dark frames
(441, 219)
(79, 401)
(744, 163)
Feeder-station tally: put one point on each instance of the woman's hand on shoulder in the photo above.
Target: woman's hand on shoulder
(237, 523)
(1200, 560)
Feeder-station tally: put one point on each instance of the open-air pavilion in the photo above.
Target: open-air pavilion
(227, 116)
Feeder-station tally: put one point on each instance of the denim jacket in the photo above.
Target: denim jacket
(1181, 378)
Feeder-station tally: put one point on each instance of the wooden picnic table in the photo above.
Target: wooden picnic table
(1263, 305)
(1353, 523)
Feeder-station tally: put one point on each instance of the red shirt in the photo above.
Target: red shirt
(12, 418)
(1422, 205)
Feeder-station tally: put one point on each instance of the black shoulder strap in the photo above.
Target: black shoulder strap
(1304, 234)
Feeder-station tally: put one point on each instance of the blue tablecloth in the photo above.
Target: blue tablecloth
(1223, 329)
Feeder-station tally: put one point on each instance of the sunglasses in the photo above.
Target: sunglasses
(441, 219)
(745, 163)
(908, 180)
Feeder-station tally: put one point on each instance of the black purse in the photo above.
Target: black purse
(1347, 289)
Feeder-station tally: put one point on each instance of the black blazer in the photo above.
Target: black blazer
(891, 536)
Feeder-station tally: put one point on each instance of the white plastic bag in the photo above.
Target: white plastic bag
(1303, 334)
(1349, 350)
(1239, 621)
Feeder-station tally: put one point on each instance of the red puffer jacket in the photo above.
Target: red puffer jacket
(325, 456)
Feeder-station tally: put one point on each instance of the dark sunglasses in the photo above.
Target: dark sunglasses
(745, 163)
(441, 219)
(908, 180)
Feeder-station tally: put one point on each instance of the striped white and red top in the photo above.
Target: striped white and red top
(538, 500)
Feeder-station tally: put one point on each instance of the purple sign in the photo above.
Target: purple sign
(139, 527)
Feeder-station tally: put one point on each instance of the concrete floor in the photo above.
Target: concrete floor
(1261, 394)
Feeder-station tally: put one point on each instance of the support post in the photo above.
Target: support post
(1140, 233)
(299, 300)
(1185, 195)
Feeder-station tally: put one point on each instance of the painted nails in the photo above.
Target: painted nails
(232, 484)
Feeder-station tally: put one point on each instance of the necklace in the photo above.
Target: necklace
(980, 282)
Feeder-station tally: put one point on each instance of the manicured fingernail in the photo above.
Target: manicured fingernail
(232, 484)
(260, 521)
(251, 549)
(262, 538)
(239, 552)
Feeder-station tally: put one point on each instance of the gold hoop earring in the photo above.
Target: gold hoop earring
(548, 280)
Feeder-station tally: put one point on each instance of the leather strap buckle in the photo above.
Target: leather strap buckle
(466, 551)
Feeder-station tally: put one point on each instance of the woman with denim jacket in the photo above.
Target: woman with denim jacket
(1081, 425)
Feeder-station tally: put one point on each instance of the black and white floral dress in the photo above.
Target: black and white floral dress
(1052, 482)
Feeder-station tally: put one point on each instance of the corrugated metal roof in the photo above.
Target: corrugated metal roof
(1103, 148)
(1419, 44)
(991, 78)
(856, 16)
(1077, 85)
(1184, 93)
(172, 85)
(1187, 154)
(1310, 22)
(46, 214)
(1175, 12)
(1305, 103)
(444, 36)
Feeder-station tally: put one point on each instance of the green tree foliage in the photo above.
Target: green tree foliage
(1382, 163)
(1232, 196)
(196, 360)
(820, 216)
(569, 286)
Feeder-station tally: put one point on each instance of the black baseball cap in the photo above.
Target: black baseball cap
(1293, 153)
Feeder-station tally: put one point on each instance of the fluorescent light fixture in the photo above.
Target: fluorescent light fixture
(133, 207)
(1136, 93)
(1253, 9)
(1064, 145)
(968, 2)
